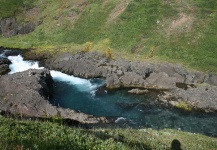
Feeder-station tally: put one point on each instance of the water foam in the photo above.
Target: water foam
(19, 65)
(81, 84)
(84, 85)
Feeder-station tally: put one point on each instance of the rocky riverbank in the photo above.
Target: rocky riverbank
(194, 89)
(27, 92)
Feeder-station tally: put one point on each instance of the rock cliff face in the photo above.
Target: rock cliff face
(183, 85)
(121, 73)
(27, 93)
(9, 27)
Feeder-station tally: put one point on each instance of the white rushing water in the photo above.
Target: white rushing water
(19, 65)
(81, 84)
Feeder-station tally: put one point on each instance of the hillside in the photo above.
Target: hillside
(19, 135)
(178, 31)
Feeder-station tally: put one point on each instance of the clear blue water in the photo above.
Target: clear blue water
(137, 111)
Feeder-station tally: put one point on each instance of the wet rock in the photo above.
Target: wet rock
(12, 52)
(138, 91)
(101, 91)
(4, 61)
(4, 65)
(4, 69)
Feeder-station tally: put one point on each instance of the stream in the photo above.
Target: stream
(135, 111)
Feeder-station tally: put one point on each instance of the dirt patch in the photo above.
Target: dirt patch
(31, 14)
(76, 8)
(121, 6)
(105, 2)
(182, 24)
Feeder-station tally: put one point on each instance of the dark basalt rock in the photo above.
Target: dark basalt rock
(4, 65)
(27, 93)
(7, 53)
(9, 27)
(4, 61)
(4, 69)
(202, 98)
(143, 75)
(101, 91)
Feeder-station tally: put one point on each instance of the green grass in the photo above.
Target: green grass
(37, 135)
(10, 8)
(135, 33)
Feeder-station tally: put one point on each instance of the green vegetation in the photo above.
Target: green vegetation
(182, 105)
(9, 8)
(176, 31)
(179, 31)
(35, 135)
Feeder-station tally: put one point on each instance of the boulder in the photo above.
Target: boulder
(4, 65)
(4, 61)
(138, 91)
(4, 69)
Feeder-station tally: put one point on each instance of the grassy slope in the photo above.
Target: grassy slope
(141, 31)
(45, 135)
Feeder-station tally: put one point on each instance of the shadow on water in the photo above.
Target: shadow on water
(130, 110)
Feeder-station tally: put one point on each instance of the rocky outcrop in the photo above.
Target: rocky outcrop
(6, 53)
(27, 93)
(202, 98)
(182, 85)
(121, 73)
(4, 65)
(9, 27)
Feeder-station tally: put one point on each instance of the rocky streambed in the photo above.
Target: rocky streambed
(191, 89)
(28, 92)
